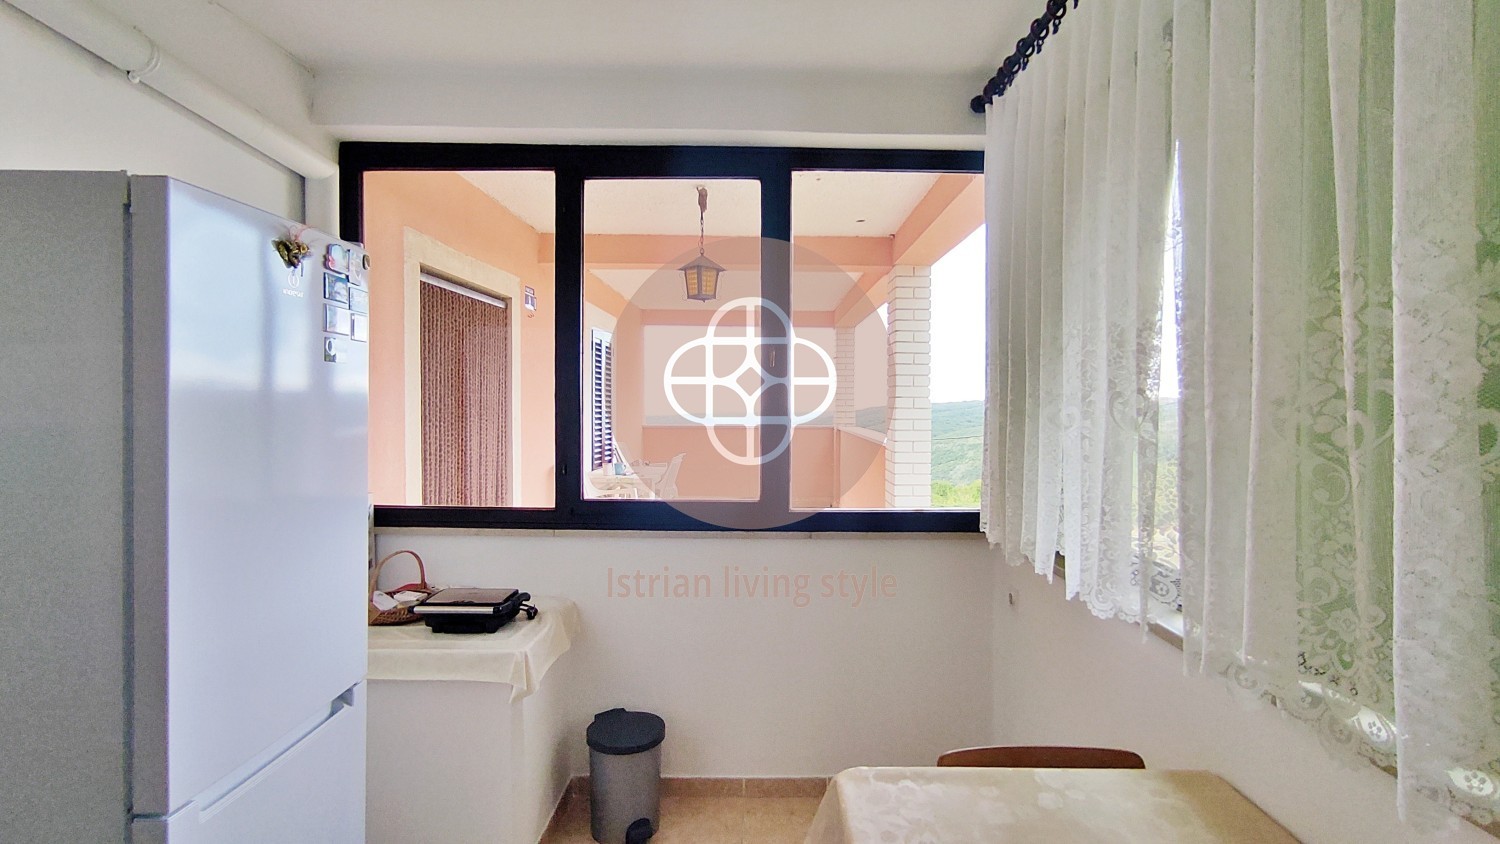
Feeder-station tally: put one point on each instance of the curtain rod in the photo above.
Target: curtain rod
(1048, 24)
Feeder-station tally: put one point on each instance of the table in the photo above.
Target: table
(611, 485)
(998, 805)
(468, 736)
(518, 654)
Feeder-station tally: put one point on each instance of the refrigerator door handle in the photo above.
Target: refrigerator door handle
(246, 775)
(343, 701)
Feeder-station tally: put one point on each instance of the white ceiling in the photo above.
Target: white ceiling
(855, 204)
(529, 194)
(937, 36)
(823, 203)
(670, 206)
(822, 73)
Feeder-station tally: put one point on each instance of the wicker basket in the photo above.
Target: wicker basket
(397, 614)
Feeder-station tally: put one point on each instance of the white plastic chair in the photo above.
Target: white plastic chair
(667, 486)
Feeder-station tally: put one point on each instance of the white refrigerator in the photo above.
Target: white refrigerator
(183, 505)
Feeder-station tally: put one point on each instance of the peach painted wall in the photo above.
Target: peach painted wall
(814, 469)
(707, 475)
(861, 472)
(446, 207)
(704, 474)
(602, 296)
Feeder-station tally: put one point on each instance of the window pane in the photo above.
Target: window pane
(888, 281)
(1164, 544)
(461, 357)
(671, 367)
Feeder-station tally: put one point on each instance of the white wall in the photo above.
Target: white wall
(758, 686)
(232, 53)
(794, 107)
(63, 108)
(1065, 677)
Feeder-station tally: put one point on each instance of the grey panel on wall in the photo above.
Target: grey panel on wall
(62, 475)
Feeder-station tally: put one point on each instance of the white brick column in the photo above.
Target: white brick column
(908, 437)
(843, 365)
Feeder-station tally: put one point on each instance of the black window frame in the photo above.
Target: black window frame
(573, 166)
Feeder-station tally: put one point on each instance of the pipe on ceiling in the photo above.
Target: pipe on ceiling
(143, 62)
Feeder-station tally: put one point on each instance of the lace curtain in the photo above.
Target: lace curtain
(1077, 171)
(1310, 192)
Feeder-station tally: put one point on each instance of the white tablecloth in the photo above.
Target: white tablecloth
(997, 805)
(518, 653)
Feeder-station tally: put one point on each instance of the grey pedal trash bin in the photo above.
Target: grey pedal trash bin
(625, 775)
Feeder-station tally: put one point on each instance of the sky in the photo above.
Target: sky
(958, 324)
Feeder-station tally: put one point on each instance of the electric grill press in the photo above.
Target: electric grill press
(473, 610)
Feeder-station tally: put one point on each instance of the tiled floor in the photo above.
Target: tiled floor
(705, 820)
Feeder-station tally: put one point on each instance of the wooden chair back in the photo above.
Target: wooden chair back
(1040, 757)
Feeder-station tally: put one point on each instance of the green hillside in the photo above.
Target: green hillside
(957, 446)
(957, 441)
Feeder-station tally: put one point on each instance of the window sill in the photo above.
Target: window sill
(707, 533)
(659, 517)
(1168, 628)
